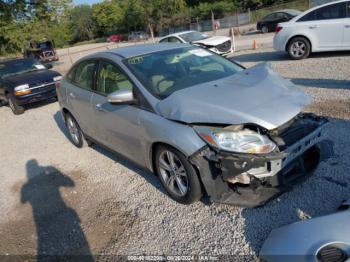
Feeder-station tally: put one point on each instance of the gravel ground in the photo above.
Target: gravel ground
(57, 199)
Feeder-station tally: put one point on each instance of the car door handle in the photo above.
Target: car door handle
(347, 26)
(100, 108)
(314, 26)
(72, 95)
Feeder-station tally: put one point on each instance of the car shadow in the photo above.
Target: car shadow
(115, 156)
(40, 103)
(281, 56)
(58, 230)
(322, 83)
(321, 194)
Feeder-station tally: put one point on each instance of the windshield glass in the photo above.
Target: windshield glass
(19, 66)
(192, 36)
(165, 72)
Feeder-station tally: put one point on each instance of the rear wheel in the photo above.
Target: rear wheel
(75, 134)
(16, 109)
(264, 29)
(299, 48)
(177, 175)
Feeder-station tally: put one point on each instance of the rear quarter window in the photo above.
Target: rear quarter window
(335, 11)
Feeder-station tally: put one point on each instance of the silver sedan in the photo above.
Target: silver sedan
(204, 124)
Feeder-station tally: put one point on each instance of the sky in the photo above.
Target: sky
(90, 2)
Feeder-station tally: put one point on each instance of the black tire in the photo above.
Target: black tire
(299, 48)
(16, 109)
(76, 136)
(264, 29)
(194, 190)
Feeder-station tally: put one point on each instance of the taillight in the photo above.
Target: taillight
(278, 28)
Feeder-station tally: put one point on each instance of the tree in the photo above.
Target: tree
(108, 16)
(82, 26)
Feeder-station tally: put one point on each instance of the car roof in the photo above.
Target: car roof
(289, 11)
(143, 49)
(180, 33)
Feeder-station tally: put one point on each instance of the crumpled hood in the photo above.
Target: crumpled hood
(256, 95)
(213, 41)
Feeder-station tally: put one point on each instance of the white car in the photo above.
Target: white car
(221, 45)
(322, 28)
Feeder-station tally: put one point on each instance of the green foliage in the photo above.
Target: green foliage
(108, 16)
(219, 8)
(59, 20)
(81, 24)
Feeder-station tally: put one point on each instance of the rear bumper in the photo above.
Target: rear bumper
(252, 180)
(37, 95)
(279, 42)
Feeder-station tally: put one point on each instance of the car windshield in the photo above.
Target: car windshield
(165, 72)
(192, 36)
(19, 66)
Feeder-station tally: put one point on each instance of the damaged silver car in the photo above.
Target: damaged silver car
(204, 124)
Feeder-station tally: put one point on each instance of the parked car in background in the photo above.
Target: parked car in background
(115, 38)
(25, 81)
(43, 51)
(269, 22)
(325, 238)
(323, 28)
(190, 116)
(221, 45)
(138, 36)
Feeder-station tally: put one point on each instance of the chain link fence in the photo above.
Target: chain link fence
(238, 19)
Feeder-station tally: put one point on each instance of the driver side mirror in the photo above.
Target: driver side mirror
(124, 96)
(48, 66)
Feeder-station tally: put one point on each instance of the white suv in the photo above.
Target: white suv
(323, 28)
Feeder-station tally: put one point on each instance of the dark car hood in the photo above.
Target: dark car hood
(256, 95)
(32, 77)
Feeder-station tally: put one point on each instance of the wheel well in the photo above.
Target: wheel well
(153, 154)
(301, 36)
(65, 111)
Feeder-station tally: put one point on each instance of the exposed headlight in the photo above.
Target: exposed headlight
(22, 90)
(240, 141)
(57, 78)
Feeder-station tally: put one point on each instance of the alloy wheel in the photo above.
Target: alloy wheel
(173, 173)
(298, 49)
(73, 130)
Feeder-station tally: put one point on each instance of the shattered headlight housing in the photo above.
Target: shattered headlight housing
(240, 140)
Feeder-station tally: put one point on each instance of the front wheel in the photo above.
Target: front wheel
(299, 48)
(264, 29)
(177, 175)
(16, 109)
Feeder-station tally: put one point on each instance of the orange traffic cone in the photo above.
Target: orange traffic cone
(255, 44)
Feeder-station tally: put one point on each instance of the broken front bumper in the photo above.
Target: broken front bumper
(251, 180)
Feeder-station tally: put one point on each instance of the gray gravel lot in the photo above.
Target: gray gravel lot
(106, 205)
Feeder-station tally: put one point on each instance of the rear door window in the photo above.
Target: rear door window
(111, 78)
(269, 17)
(84, 74)
(348, 8)
(174, 40)
(165, 40)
